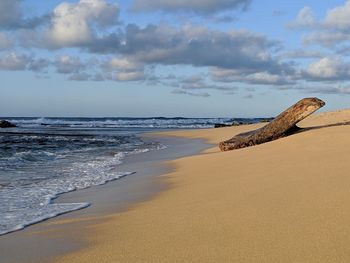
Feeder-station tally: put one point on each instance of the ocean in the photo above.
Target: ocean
(45, 157)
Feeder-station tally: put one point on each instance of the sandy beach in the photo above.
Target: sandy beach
(173, 131)
(283, 201)
(60, 235)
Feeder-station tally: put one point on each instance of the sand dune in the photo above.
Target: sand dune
(283, 201)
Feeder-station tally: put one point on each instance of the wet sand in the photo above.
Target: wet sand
(66, 233)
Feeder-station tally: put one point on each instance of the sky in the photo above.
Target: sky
(191, 58)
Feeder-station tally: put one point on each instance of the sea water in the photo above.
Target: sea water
(45, 157)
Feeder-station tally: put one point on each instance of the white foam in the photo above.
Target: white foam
(36, 167)
(31, 203)
(29, 217)
(142, 123)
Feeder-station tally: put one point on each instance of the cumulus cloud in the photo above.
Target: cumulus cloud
(73, 24)
(123, 64)
(125, 69)
(66, 64)
(330, 31)
(328, 68)
(197, 82)
(137, 48)
(203, 7)
(338, 17)
(327, 38)
(256, 78)
(190, 45)
(40, 64)
(13, 61)
(305, 19)
(130, 76)
(265, 78)
(194, 84)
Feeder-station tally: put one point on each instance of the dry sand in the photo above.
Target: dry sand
(283, 201)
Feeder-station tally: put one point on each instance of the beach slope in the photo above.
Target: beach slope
(282, 201)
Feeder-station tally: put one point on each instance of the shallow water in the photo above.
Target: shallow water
(35, 167)
(46, 157)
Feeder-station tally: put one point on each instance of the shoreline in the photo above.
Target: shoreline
(282, 201)
(45, 240)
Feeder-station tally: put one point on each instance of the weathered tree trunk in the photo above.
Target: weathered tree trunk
(282, 125)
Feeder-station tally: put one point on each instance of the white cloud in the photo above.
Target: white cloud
(325, 68)
(66, 64)
(328, 68)
(124, 64)
(13, 61)
(266, 78)
(256, 78)
(130, 76)
(196, 6)
(326, 38)
(125, 69)
(197, 82)
(305, 18)
(73, 24)
(339, 17)
(193, 45)
(332, 30)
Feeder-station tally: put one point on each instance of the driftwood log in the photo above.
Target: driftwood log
(284, 124)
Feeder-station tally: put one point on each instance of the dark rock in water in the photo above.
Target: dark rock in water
(235, 123)
(6, 124)
(239, 123)
(220, 125)
(266, 120)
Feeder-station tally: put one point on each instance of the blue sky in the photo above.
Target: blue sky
(193, 58)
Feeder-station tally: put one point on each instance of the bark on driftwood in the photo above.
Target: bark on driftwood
(282, 125)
